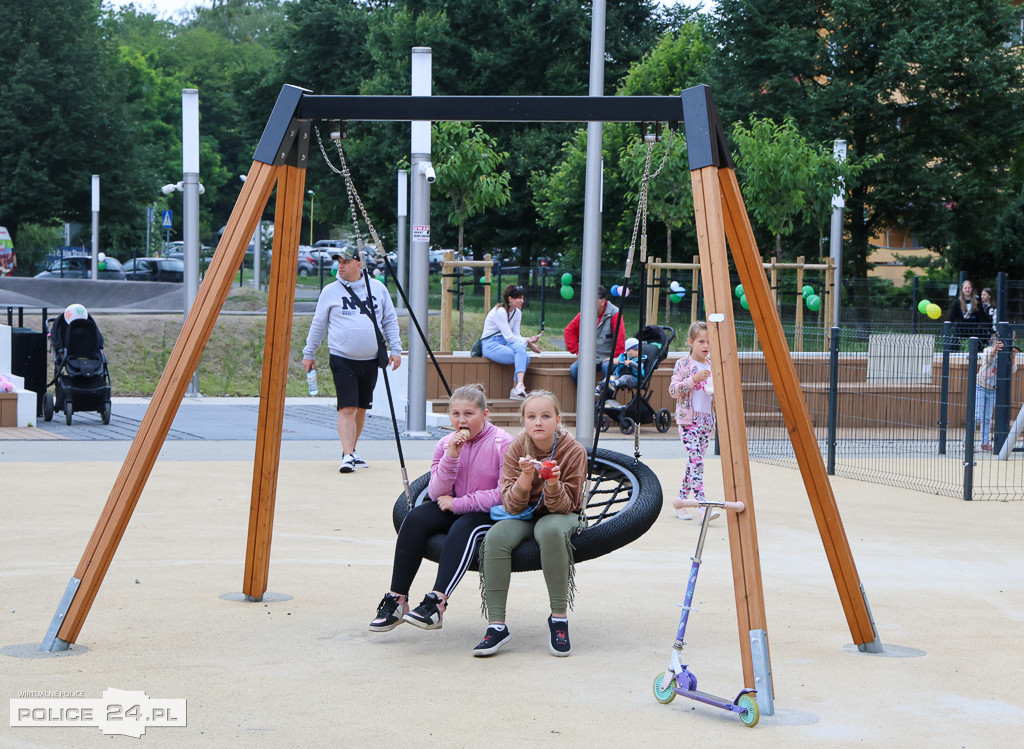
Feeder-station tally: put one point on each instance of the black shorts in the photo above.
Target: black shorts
(354, 381)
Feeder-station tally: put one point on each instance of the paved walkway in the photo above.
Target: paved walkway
(942, 577)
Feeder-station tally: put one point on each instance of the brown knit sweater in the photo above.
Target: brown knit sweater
(571, 457)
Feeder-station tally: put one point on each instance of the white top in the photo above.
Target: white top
(497, 321)
(700, 396)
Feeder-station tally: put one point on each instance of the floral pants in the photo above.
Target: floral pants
(695, 439)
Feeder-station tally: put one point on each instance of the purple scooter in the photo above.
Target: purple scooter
(677, 678)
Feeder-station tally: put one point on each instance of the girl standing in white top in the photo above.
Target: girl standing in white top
(501, 341)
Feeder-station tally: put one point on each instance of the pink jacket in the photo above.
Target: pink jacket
(472, 478)
(681, 386)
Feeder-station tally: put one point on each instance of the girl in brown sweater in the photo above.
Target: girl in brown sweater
(555, 490)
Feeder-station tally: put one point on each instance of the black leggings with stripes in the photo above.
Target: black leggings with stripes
(464, 534)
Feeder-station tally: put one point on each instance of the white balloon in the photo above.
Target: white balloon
(101, 256)
(674, 286)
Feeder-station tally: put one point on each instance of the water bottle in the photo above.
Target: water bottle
(311, 382)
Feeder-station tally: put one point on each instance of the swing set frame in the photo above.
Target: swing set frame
(280, 161)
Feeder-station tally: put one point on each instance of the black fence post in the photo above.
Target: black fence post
(1004, 368)
(913, 308)
(972, 382)
(947, 346)
(543, 271)
(833, 399)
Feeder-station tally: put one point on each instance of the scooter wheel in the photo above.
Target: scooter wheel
(662, 694)
(750, 714)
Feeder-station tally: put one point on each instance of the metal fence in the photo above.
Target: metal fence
(897, 409)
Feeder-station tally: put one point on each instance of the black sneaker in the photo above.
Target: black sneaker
(559, 638)
(387, 614)
(493, 640)
(428, 614)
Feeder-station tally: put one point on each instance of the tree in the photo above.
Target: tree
(929, 86)
(466, 164)
(64, 118)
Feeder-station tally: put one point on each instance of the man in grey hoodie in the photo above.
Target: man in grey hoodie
(343, 315)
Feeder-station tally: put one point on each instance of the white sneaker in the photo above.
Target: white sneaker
(348, 464)
(518, 392)
(358, 462)
(714, 514)
(683, 515)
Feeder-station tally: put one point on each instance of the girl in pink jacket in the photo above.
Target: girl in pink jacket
(463, 487)
(691, 386)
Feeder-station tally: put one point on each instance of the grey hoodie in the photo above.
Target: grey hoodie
(349, 332)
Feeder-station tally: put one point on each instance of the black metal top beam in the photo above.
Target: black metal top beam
(705, 137)
(493, 108)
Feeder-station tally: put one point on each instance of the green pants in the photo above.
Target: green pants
(552, 533)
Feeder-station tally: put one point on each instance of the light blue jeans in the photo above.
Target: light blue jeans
(984, 405)
(574, 370)
(495, 349)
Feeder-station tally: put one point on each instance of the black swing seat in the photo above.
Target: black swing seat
(625, 499)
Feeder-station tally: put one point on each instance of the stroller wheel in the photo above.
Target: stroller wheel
(105, 413)
(627, 425)
(606, 423)
(69, 411)
(48, 407)
(663, 420)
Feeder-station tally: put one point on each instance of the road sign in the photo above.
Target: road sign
(167, 219)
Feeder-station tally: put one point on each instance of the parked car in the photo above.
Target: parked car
(434, 258)
(311, 259)
(81, 267)
(155, 269)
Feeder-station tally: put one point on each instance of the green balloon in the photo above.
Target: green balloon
(675, 298)
(738, 291)
(807, 291)
(482, 281)
(567, 292)
(744, 303)
(566, 279)
(814, 302)
(103, 265)
(922, 306)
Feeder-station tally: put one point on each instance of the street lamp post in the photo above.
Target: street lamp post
(312, 205)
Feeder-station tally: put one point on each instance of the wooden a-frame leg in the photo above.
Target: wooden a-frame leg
(276, 355)
(181, 364)
(714, 263)
(794, 410)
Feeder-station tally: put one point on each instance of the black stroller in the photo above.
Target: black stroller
(80, 376)
(654, 341)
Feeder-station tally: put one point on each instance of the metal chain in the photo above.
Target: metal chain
(353, 195)
(641, 209)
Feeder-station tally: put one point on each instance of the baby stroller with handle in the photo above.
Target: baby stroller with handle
(81, 378)
(653, 348)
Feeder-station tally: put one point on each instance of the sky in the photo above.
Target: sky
(171, 9)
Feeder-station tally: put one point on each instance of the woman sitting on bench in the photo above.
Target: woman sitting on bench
(463, 487)
(544, 472)
(500, 340)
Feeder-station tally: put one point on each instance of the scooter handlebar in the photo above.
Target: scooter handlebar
(681, 503)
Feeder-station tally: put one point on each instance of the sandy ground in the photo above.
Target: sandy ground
(941, 577)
